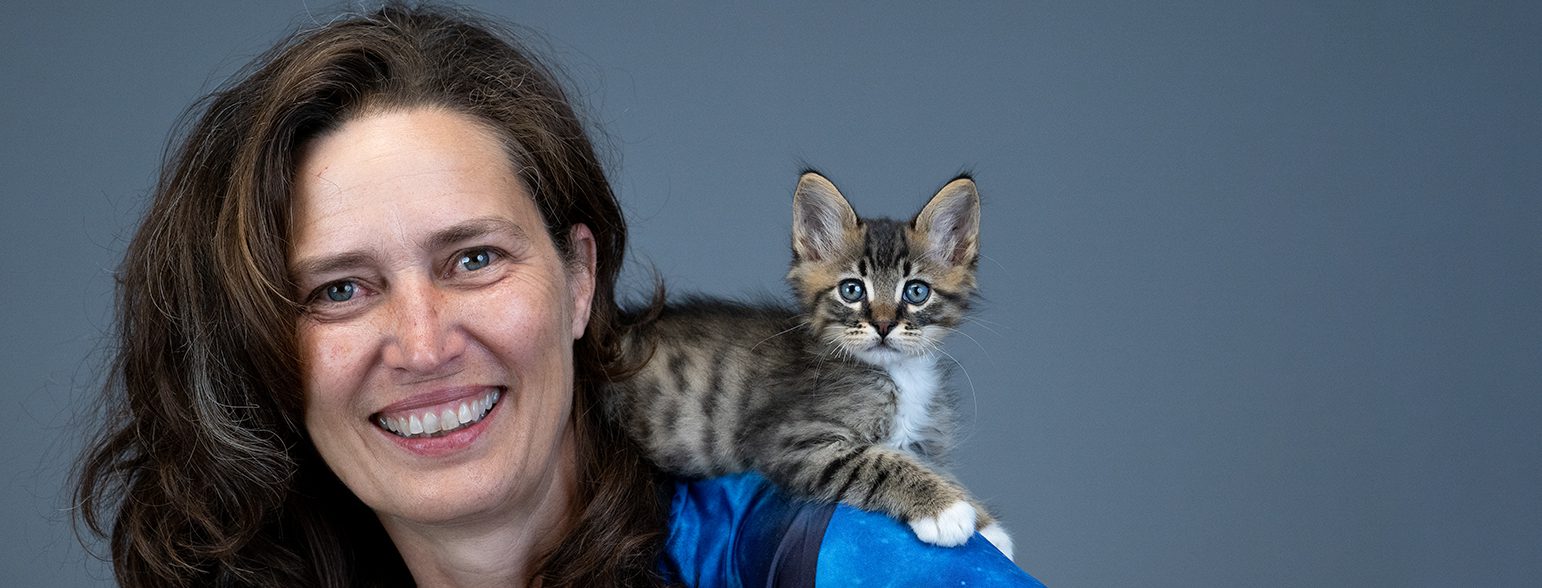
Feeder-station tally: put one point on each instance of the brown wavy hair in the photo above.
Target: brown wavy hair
(203, 474)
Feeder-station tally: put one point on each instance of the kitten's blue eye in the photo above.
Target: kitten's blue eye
(340, 291)
(852, 290)
(916, 292)
(475, 259)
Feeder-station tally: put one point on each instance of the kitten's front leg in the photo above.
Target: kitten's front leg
(991, 529)
(834, 467)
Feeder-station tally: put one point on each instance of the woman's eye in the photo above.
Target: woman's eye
(852, 290)
(475, 259)
(917, 292)
(340, 291)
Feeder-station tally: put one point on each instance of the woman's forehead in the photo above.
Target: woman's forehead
(400, 175)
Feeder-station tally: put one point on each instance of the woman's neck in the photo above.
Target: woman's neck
(491, 551)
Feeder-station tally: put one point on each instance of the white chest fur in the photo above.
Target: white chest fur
(918, 380)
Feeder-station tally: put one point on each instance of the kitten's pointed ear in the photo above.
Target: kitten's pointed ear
(821, 219)
(951, 224)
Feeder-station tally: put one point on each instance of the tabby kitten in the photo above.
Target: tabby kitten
(842, 399)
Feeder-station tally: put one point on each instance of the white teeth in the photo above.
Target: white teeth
(443, 421)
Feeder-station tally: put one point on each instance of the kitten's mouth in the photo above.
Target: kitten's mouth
(881, 353)
(895, 344)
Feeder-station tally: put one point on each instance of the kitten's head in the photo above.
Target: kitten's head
(883, 290)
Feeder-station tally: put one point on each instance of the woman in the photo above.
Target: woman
(362, 332)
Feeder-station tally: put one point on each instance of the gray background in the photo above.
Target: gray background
(1261, 286)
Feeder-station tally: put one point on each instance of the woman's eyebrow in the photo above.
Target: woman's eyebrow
(327, 264)
(442, 239)
(471, 229)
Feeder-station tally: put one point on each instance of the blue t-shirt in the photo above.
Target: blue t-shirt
(740, 530)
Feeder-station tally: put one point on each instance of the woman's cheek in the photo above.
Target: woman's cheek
(329, 360)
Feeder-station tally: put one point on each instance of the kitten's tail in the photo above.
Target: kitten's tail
(635, 348)
(632, 318)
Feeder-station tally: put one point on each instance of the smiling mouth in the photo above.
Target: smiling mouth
(440, 420)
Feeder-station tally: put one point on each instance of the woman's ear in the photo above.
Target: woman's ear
(581, 268)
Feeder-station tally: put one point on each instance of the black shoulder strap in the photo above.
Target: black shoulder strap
(797, 554)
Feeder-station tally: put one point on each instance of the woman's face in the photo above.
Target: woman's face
(437, 341)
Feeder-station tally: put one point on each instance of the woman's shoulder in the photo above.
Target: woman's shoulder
(740, 530)
(872, 549)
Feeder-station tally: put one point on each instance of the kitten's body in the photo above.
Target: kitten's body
(724, 374)
(840, 399)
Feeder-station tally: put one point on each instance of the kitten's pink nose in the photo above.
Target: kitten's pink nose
(883, 328)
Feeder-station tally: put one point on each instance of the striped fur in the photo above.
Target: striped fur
(813, 397)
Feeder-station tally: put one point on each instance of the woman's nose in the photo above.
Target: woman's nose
(425, 338)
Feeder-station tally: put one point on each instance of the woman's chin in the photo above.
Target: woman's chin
(448, 477)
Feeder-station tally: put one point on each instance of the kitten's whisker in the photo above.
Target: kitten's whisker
(974, 397)
(833, 348)
(993, 260)
(984, 324)
(971, 338)
(978, 319)
(789, 330)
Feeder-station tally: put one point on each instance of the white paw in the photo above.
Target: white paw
(952, 527)
(998, 537)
